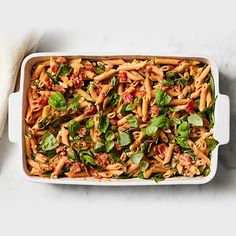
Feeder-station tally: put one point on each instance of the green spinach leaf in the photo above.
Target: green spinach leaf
(48, 142)
(162, 98)
(103, 123)
(195, 119)
(123, 139)
(136, 157)
(57, 101)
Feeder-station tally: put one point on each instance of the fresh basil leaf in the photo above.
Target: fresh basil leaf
(53, 78)
(114, 99)
(123, 110)
(167, 82)
(57, 101)
(140, 176)
(74, 104)
(183, 134)
(207, 171)
(131, 106)
(99, 69)
(50, 153)
(158, 177)
(48, 142)
(63, 70)
(195, 119)
(42, 122)
(103, 123)
(88, 159)
(72, 154)
(155, 123)
(182, 142)
(211, 143)
(73, 127)
(123, 139)
(162, 98)
(109, 145)
(109, 135)
(133, 121)
(143, 165)
(173, 75)
(184, 127)
(144, 147)
(89, 124)
(176, 120)
(88, 138)
(136, 157)
(114, 81)
(99, 147)
(182, 82)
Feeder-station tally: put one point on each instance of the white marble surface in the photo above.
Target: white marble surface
(197, 28)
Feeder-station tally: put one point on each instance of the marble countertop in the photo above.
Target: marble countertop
(90, 210)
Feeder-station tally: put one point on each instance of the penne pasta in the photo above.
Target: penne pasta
(119, 118)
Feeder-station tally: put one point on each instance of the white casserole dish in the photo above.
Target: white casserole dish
(18, 105)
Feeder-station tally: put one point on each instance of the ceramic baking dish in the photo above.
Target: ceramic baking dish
(18, 104)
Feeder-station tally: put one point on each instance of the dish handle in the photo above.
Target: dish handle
(14, 119)
(223, 119)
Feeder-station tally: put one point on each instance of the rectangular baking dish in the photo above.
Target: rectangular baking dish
(18, 105)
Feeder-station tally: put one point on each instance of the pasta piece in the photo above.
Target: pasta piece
(39, 68)
(105, 75)
(176, 102)
(65, 135)
(200, 79)
(167, 61)
(76, 65)
(28, 151)
(103, 93)
(59, 167)
(202, 103)
(132, 66)
(148, 87)
(84, 94)
(198, 153)
(169, 153)
(115, 62)
(145, 105)
(92, 92)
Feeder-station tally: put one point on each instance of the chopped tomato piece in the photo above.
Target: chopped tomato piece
(82, 131)
(58, 88)
(190, 106)
(155, 110)
(76, 167)
(117, 147)
(49, 83)
(102, 159)
(89, 67)
(54, 69)
(77, 81)
(123, 75)
(60, 149)
(161, 148)
(113, 121)
(90, 110)
(43, 100)
(128, 98)
(139, 93)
